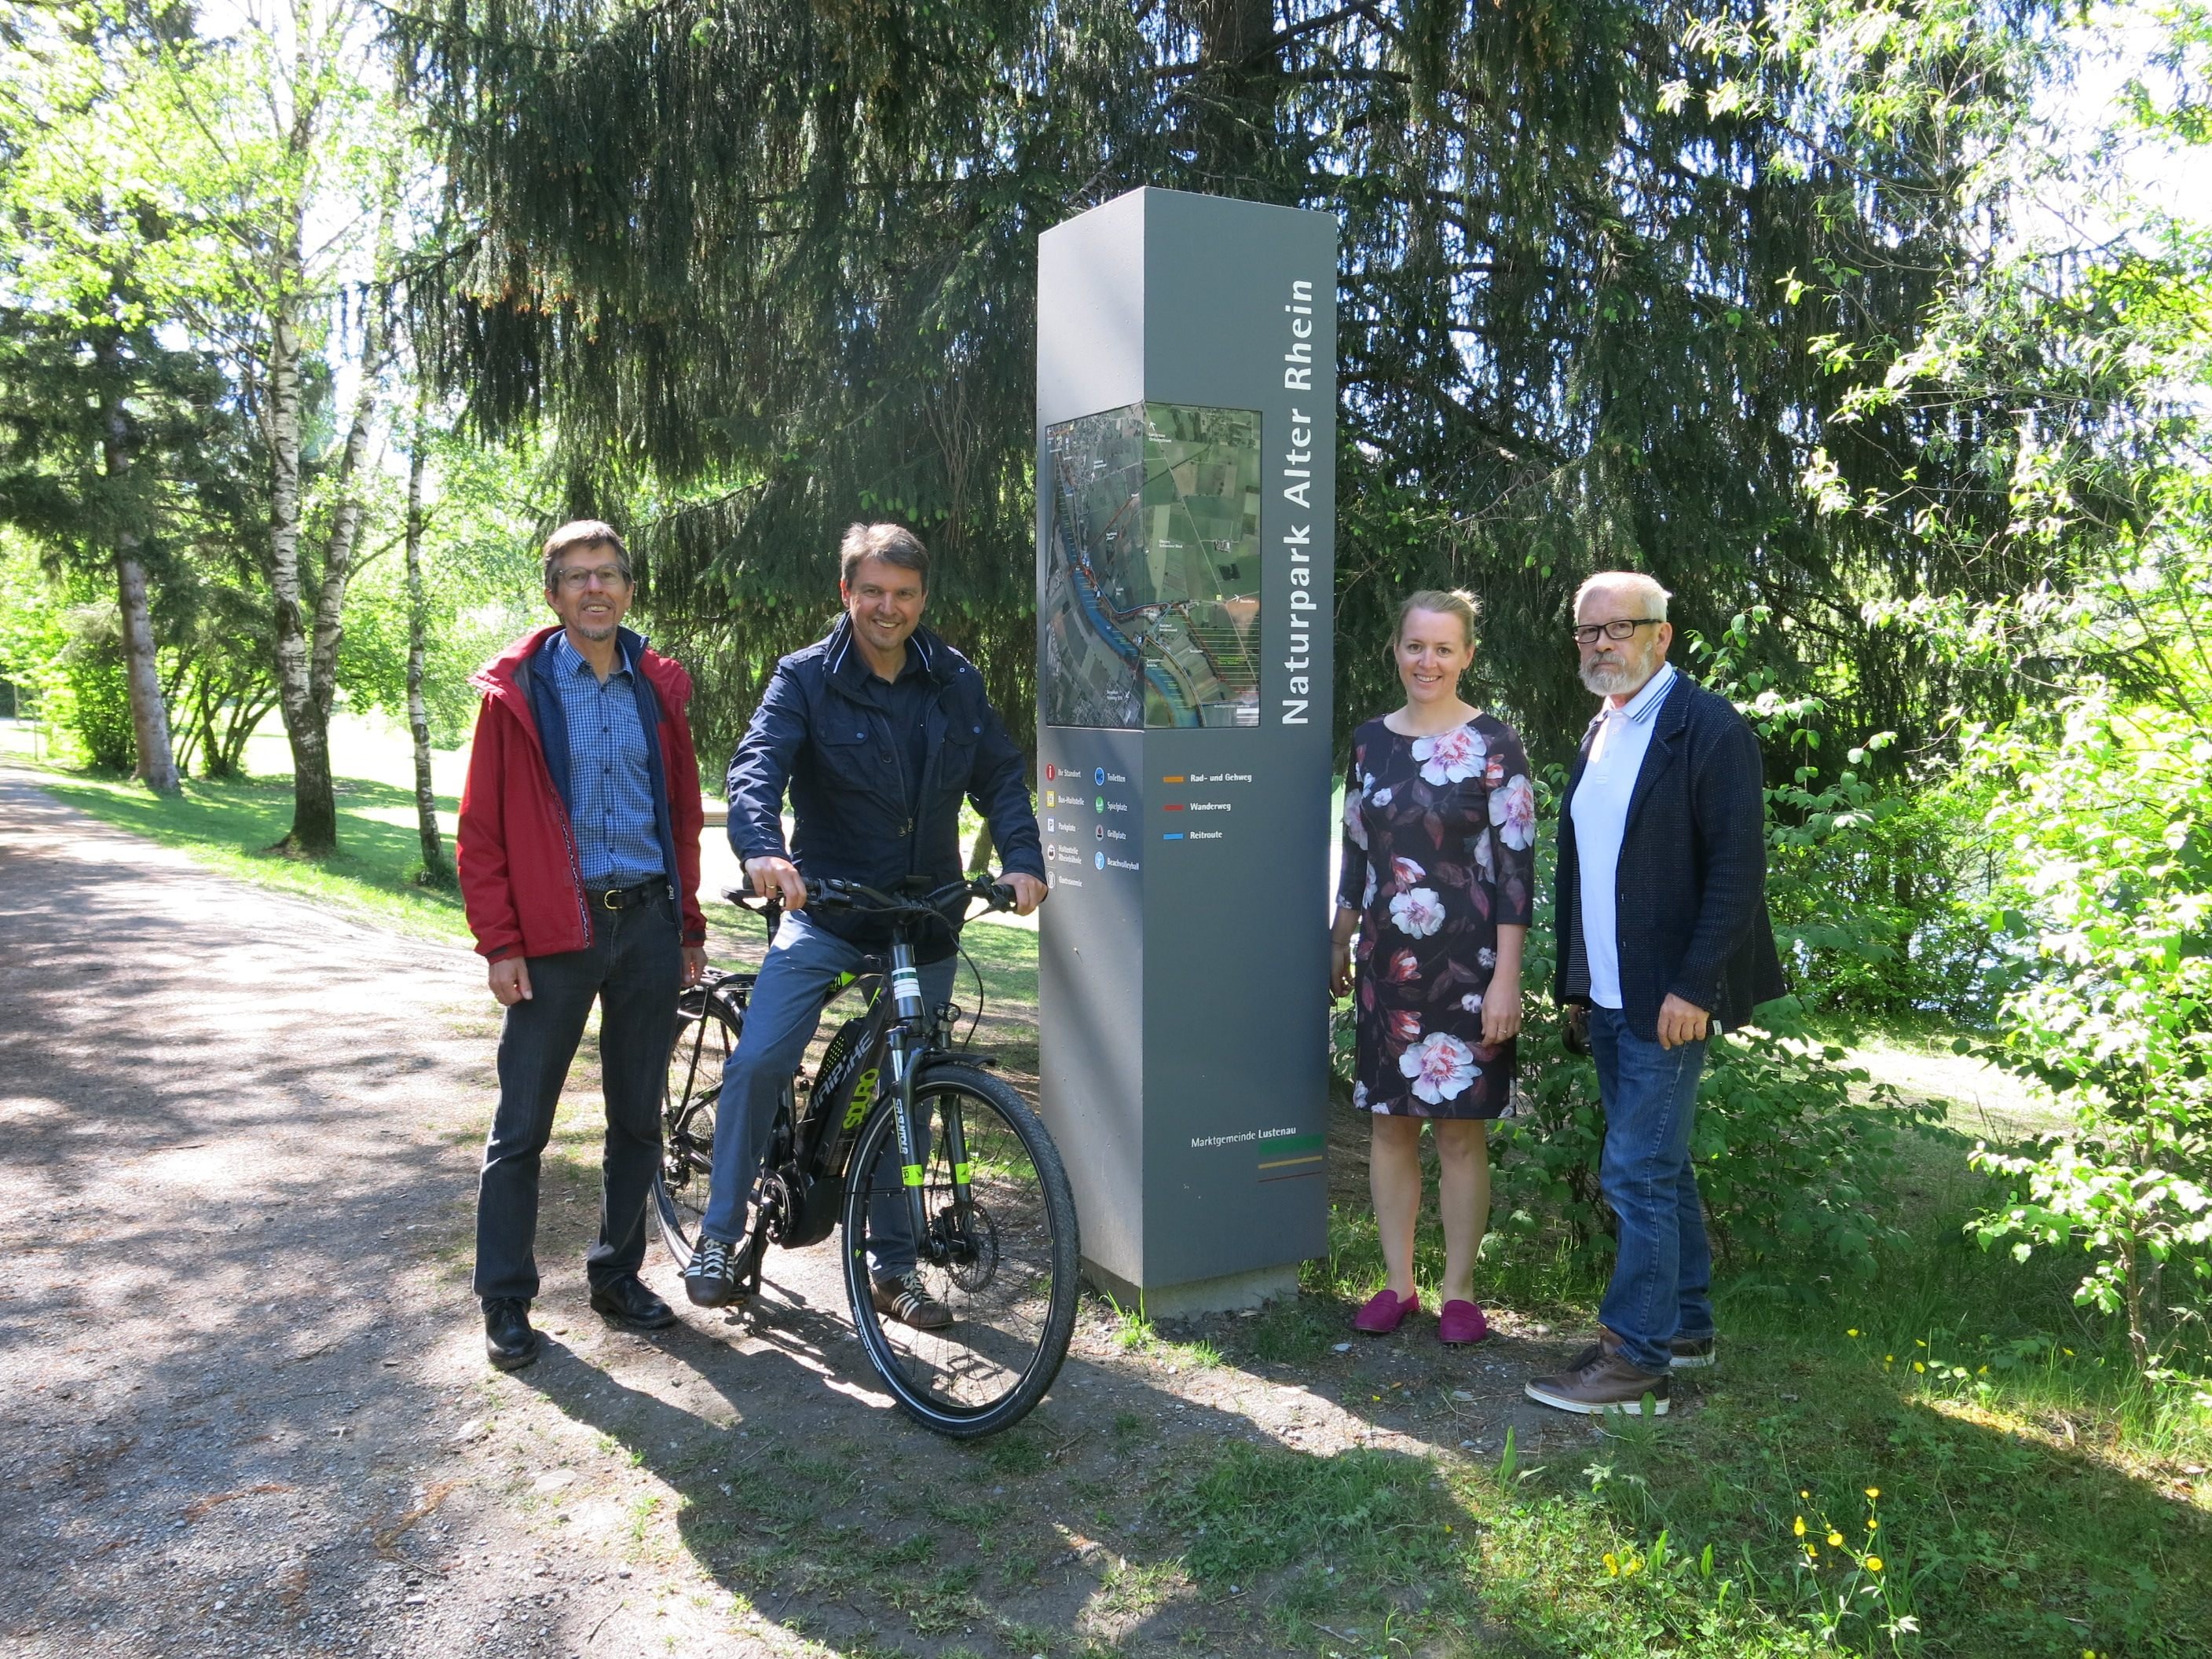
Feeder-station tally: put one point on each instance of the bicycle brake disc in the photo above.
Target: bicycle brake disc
(971, 1252)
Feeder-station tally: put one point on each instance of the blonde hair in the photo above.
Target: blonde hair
(1443, 603)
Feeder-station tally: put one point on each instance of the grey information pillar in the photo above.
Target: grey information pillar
(1186, 512)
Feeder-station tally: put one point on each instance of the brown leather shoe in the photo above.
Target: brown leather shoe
(908, 1300)
(1605, 1383)
(1690, 1353)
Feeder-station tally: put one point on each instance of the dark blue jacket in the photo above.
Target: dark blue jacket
(818, 734)
(1690, 885)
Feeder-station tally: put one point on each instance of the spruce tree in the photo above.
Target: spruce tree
(770, 267)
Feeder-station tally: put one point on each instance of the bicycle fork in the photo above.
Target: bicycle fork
(903, 1059)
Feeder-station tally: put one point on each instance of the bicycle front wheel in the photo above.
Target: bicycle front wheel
(1001, 1259)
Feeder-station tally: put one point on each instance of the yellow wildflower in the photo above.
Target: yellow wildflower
(1611, 1565)
(1800, 1528)
(1835, 1541)
(1874, 1564)
(1917, 1366)
(1871, 1525)
(1873, 1492)
(1852, 1331)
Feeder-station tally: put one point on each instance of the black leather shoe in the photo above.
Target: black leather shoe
(627, 1302)
(509, 1343)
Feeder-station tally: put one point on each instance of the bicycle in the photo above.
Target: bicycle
(987, 1197)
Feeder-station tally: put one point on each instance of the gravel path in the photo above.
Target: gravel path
(247, 1409)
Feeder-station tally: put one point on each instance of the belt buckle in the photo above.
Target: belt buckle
(607, 899)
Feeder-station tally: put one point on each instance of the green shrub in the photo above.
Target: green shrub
(99, 705)
(2110, 825)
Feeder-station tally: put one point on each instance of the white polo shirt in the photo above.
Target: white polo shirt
(1601, 816)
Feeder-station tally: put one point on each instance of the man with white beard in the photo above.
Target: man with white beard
(1660, 903)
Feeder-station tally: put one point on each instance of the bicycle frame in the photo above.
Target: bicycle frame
(879, 1054)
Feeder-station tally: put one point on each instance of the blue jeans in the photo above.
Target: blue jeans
(803, 967)
(1663, 1279)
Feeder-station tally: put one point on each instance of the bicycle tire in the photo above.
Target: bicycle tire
(1014, 1302)
(705, 1034)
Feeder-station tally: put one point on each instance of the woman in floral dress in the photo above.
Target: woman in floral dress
(1439, 822)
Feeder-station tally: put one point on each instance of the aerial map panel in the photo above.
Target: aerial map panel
(1152, 600)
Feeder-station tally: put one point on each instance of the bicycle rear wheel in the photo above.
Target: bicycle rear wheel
(1005, 1265)
(708, 1020)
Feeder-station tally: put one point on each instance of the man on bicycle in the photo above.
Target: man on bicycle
(878, 731)
(579, 856)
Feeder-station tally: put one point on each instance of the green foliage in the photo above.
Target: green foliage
(768, 268)
(99, 705)
(2112, 826)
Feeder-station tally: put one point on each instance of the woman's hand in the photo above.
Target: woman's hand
(1340, 967)
(1501, 1006)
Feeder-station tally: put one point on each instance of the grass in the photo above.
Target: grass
(228, 826)
(2036, 1497)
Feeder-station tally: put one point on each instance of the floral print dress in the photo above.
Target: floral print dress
(1437, 839)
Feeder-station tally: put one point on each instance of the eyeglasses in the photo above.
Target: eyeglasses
(607, 576)
(1620, 628)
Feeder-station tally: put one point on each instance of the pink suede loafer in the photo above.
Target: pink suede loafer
(1384, 1312)
(1460, 1323)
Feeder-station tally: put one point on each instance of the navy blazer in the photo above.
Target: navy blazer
(817, 733)
(1691, 886)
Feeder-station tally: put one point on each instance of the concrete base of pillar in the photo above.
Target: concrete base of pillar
(1230, 1293)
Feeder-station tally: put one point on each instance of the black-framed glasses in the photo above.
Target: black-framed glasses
(1620, 628)
(609, 575)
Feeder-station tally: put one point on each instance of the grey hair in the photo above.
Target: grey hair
(1655, 596)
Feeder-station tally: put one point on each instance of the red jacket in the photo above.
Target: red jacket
(516, 852)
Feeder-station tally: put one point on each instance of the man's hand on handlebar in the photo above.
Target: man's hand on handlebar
(1028, 891)
(778, 877)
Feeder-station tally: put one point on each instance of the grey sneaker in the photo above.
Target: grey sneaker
(908, 1300)
(1690, 1353)
(717, 1274)
(1607, 1383)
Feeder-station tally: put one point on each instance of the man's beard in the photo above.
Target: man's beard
(595, 635)
(1614, 679)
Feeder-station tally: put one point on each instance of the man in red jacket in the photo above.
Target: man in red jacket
(579, 858)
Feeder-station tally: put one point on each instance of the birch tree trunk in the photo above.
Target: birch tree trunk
(435, 871)
(150, 714)
(345, 527)
(314, 807)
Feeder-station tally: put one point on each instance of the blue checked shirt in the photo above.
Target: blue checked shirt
(617, 843)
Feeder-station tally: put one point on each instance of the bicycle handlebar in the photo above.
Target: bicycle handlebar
(831, 893)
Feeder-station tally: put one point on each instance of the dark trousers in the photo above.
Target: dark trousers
(633, 968)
